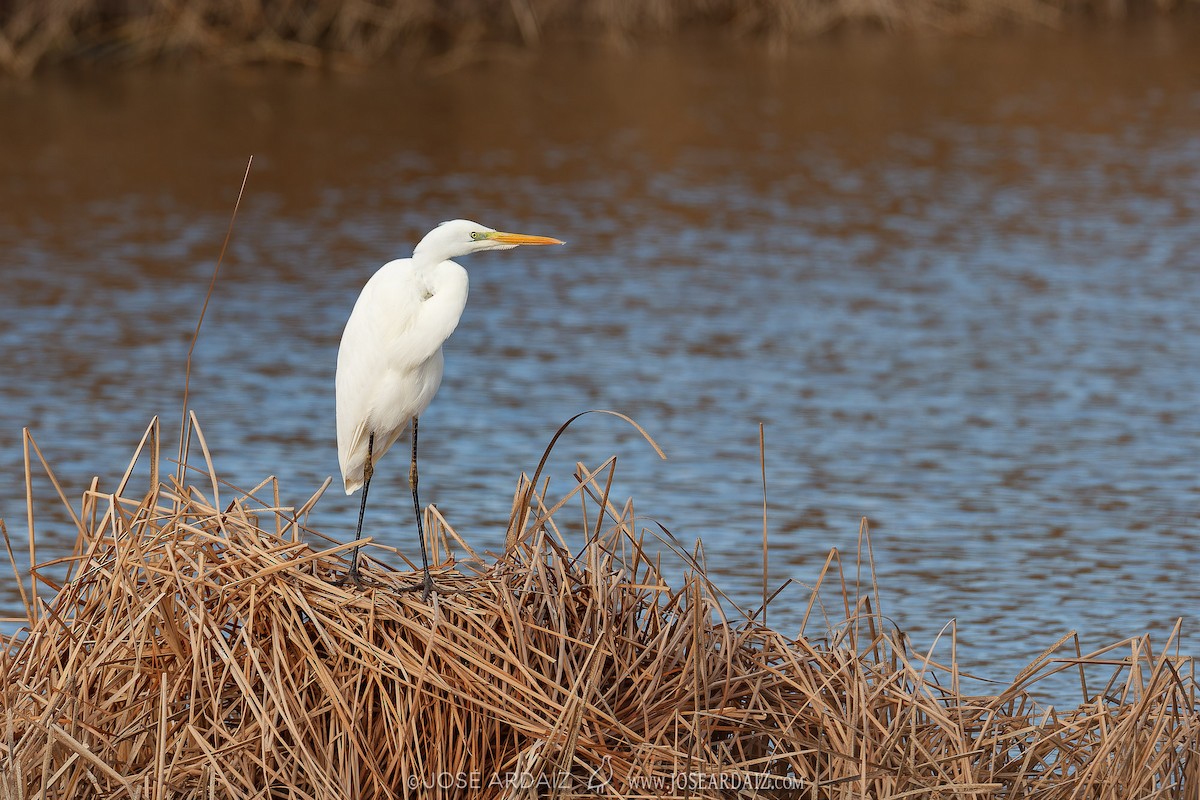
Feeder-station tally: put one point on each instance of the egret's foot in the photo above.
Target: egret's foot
(352, 576)
(428, 590)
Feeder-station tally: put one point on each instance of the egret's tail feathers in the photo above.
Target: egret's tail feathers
(353, 457)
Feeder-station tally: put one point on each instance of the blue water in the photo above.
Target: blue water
(956, 282)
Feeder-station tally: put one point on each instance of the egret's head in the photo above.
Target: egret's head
(460, 237)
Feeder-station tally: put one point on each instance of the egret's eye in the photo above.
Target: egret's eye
(476, 236)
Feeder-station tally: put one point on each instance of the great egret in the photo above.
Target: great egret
(389, 363)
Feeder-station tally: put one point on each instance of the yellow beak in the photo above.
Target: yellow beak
(522, 238)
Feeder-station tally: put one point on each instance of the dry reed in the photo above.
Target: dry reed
(337, 33)
(200, 650)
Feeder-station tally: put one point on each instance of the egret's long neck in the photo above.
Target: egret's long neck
(433, 250)
(425, 260)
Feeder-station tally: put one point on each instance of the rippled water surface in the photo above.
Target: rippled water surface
(957, 282)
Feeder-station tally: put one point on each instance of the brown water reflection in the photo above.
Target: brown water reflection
(956, 280)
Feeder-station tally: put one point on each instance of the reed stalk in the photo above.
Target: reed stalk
(200, 648)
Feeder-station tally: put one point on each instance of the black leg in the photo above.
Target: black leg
(368, 471)
(412, 479)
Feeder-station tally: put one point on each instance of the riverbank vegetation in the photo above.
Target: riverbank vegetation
(200, 647)
(355, 33)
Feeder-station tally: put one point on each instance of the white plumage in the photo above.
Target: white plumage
(389, 363)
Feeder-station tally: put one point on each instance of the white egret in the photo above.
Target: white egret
(389, 363)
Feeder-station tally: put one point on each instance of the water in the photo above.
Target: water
(955, 280)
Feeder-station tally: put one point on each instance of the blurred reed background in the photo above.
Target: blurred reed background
(332, 33)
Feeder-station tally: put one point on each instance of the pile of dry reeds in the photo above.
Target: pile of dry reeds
(201, 649)
(337, 32)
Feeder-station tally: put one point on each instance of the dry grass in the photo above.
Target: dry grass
(200, 650)
(343, 32)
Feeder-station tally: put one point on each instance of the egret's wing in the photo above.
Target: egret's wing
(402, 317)
(361, 364)
(389, 362)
